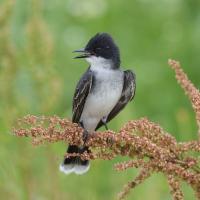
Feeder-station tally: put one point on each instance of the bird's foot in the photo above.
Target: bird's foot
(85, 132)
(110, 141)
(85, 136)
(106, 127)
(104, 119)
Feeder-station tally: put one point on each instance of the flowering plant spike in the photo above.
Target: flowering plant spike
(148, 146)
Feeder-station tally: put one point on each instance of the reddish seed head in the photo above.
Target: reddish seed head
(146, 143)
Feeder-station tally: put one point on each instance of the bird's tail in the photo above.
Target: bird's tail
(75, 164)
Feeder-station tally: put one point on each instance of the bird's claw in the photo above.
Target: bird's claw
(110, 141)
(85, 136)
(104, 119)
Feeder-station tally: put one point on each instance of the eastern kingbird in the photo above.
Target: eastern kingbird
(101, 93)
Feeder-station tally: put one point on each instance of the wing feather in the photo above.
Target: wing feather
(83, 88)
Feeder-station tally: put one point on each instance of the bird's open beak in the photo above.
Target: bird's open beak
(85, 54)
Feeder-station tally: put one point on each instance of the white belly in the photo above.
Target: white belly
(103, 98)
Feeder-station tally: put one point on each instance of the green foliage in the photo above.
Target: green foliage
(38, 76)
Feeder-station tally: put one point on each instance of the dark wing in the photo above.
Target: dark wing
(83, 88)
(128, 92)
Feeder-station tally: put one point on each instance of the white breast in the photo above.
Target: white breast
(103, 97)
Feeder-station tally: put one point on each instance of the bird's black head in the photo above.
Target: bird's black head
(102, 46)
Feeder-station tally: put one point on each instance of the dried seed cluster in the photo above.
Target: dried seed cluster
(190, 90)
(148, 146)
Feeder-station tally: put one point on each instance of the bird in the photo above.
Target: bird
(101, 93)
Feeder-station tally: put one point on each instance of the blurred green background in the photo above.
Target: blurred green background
(38, 76)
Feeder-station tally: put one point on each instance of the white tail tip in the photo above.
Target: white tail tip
(77, 169)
